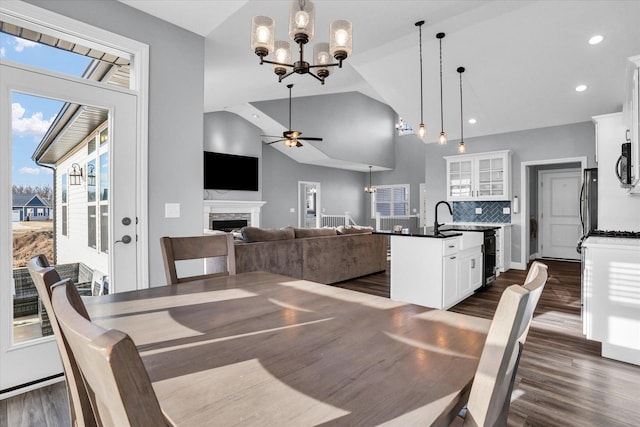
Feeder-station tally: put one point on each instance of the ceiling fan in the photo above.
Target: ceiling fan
(290, 137)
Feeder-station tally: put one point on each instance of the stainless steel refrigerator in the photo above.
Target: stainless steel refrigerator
(588, 204)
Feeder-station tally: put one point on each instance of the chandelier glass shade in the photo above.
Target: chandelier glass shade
(302, 15)
(370, 189)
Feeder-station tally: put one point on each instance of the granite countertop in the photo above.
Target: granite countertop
(421, 232)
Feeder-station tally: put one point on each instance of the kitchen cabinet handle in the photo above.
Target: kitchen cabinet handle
(452, 257)
(452, 246)
(473, 263)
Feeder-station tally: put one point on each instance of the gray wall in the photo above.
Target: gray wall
(353, 126)
(175, 113)
(557, 142)
(341, 190)
(229, 133)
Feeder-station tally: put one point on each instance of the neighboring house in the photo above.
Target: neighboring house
(30, 207)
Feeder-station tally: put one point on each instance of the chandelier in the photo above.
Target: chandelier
(370, 189)
(301, 29)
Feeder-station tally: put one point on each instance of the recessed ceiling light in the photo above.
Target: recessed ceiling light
(581, 88)
(472, 121)
(596, 39)
(255, 116)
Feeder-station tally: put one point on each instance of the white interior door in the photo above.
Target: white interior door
(560, 217)
(309, 204)
(36, 359)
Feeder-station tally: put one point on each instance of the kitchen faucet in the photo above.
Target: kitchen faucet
(435, 224)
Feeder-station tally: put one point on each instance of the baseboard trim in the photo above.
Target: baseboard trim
(33, 385)
(533, 256)
(518, 265)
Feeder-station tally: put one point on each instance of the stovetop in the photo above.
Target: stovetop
(616, 233)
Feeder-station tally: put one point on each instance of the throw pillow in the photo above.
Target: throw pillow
(354, 229)
(256, 234)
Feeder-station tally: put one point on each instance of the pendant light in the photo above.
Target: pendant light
(442, 138)
(370, 189)
(461, 147)
(422, 130)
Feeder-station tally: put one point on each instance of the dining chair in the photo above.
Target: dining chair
(490, 394)
(44, 276)
(214, 246)
(110, 364)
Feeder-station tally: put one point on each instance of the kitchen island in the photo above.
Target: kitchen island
(435, 270)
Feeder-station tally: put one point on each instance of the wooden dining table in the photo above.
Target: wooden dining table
(264, 349)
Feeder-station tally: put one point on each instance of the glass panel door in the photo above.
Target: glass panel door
(45, 174)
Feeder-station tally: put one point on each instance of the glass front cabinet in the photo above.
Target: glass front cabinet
(481, 176)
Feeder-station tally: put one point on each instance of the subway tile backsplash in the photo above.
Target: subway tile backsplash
(491, 211)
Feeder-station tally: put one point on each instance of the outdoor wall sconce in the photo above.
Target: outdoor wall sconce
(91, 175)
(75, 175)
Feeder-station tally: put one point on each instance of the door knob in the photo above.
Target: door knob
(126, 220)
(126, 239)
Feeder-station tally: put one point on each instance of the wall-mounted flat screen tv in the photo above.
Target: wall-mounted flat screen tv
(230, 172)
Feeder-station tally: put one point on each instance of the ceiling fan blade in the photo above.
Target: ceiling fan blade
(309, 138)
(273, 142)
(298, 143)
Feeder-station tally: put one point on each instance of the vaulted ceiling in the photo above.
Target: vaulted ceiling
(523, 59)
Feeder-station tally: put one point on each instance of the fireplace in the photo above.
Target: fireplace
(228, 224)
(228, 215)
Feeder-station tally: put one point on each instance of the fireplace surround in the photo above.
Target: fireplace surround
(227, 215)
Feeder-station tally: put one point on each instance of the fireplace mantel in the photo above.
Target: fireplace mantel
(233, 207)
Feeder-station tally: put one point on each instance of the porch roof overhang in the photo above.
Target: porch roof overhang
(74, 122)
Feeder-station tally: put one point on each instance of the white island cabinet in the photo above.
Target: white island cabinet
(435, 272)
(611, 296)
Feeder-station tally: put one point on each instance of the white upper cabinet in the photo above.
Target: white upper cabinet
(632, 119)
(482, 176)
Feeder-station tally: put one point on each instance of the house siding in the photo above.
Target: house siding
(74, 246)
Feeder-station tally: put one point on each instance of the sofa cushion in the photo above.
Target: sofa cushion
(314, 232)
(256, 234)
(354, 229)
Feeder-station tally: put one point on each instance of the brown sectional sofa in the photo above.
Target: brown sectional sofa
(319, 255)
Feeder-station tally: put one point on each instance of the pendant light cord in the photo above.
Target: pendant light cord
(290, 86)
(441, 110)
(461, 121)
(419, 24)
(461, 70)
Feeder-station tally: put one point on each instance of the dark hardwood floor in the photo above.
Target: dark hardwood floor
(561, 381)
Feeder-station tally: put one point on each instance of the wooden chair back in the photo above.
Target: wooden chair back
(44, 276)
(197, 247)
(110, 364)
(490, 395)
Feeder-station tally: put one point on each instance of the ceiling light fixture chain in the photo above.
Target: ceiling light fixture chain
(301, 31)
(442, 138)
(422, 130)
(461, 146)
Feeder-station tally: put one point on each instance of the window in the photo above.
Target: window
(64, 221)
(91, 226)
(63, 215)
(64, 188)
(390, 200)
(104, 197)
(104, 228)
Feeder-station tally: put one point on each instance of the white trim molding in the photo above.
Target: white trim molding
(524, 202)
